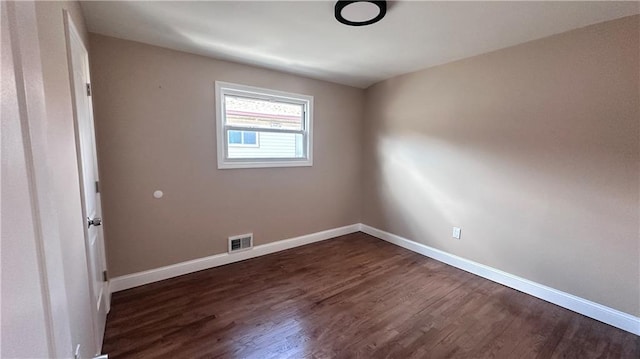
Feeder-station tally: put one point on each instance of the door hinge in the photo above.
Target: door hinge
(104, 276)
(88, 89)
(97, 187)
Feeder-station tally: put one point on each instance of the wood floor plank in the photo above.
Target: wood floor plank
(350, 297)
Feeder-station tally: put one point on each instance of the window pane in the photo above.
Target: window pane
(235, 137)
(250, 138)
(272, 145)
(248, 112)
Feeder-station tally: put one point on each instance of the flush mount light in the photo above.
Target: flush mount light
(360, 13)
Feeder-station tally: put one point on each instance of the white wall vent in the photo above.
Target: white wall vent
(241, 242)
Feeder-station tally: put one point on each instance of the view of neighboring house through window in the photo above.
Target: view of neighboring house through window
(243, 138)
(262, 128)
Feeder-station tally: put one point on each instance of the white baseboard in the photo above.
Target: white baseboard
(149, 276)
(108, 294)
(585, 307)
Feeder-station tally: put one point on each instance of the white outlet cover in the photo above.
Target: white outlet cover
(456, 232)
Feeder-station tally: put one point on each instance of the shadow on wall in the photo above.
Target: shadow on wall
(518, 212)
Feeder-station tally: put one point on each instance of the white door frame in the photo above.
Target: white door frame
(28, 94)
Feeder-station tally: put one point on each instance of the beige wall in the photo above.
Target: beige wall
(63, 164)
(533, 150)
(155, 123)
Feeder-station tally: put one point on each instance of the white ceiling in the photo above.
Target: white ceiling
(302, 37)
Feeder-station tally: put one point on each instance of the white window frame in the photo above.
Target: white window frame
(227, 88)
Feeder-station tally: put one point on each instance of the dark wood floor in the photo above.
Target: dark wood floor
(349, 297)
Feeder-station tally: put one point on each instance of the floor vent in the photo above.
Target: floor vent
(241, 242)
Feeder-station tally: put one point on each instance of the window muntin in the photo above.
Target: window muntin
(262, 128)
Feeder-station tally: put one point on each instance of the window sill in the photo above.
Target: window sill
(264, 164)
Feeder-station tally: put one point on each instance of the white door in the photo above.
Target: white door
(85, 142)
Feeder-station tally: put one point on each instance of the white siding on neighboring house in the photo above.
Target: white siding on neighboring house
(270, 145)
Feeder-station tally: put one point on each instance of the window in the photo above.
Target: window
(262, 128)
(243, 138)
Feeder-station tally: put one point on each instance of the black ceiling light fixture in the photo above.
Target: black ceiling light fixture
(359, 12)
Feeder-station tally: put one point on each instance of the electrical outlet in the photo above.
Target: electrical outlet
(456, 232)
